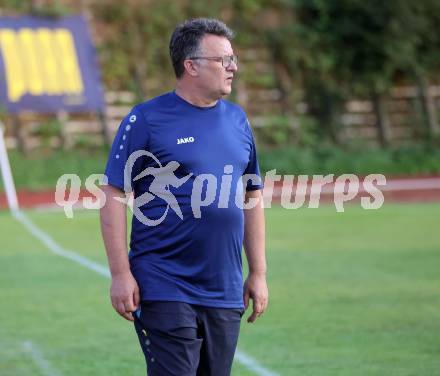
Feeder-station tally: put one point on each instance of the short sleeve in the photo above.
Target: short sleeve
(253, 181)
(131, 136)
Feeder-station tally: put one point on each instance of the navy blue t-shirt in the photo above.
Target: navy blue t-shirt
(193, 252)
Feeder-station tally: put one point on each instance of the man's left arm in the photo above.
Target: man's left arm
(255, 286)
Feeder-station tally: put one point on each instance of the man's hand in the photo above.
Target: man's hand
(255, 288)
(124, 294)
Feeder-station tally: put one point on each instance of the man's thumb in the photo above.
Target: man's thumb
(246, 299)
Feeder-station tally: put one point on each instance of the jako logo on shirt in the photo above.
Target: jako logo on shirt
(185, 140)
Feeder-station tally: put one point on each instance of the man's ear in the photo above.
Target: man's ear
(191, 67)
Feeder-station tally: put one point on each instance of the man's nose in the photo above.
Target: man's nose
(233, 67)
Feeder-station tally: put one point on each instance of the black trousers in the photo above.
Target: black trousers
(187, 340)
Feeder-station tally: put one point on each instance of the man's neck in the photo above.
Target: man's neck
(195, 98)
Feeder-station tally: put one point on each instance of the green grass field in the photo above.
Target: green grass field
(353, 293)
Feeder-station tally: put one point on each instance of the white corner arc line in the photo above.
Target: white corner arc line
(38, 358)
(246, 360)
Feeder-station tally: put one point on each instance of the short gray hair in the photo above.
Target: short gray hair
(186, 38)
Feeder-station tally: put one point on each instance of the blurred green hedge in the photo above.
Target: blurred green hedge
(41, 170)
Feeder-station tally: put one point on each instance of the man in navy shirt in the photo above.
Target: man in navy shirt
(189, 158)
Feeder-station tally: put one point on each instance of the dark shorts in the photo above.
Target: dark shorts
(187, 340)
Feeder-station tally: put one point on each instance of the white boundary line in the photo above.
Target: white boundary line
(252, 365)
(55, 248)
(246, 360)
(39, 359)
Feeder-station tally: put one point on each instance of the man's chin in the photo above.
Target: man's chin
(226, 91)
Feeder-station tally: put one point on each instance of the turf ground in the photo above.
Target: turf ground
(353, 293)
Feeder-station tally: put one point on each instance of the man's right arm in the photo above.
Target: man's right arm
(124, 291)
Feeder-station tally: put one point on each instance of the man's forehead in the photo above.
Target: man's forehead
(215, 44)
